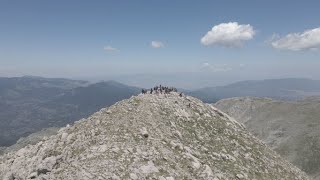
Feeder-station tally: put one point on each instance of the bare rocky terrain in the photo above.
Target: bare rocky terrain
(290, 128)
(150, 136)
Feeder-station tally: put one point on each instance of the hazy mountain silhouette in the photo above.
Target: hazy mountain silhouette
(281, 89)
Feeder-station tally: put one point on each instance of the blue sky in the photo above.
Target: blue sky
(108, 39)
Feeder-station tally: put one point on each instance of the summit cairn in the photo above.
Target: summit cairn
(150, 136)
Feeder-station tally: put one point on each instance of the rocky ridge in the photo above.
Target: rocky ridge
(151, 136)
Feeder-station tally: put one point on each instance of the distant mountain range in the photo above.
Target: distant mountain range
(280, 89)
(28, 104)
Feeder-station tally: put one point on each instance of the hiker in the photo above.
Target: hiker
(180, 94)
(151, 90)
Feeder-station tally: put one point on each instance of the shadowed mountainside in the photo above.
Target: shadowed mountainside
(290, 128)
(31, 139)
(28, 104)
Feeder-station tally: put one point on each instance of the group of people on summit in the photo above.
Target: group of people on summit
(160, 90)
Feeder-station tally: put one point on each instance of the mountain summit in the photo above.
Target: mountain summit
(150, 136)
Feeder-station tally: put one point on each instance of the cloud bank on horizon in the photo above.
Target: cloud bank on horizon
(215, 67)
(229, 34)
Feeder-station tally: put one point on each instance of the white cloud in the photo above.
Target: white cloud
(308, 40)
(157, 44)
(215, 67)
(229, 34)
(110, 49)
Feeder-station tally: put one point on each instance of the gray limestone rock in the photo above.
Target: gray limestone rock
(151, 136)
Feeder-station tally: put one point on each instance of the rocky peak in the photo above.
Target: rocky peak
(150, 136)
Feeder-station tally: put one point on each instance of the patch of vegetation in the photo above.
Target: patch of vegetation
(309, 156)
(283, 149)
